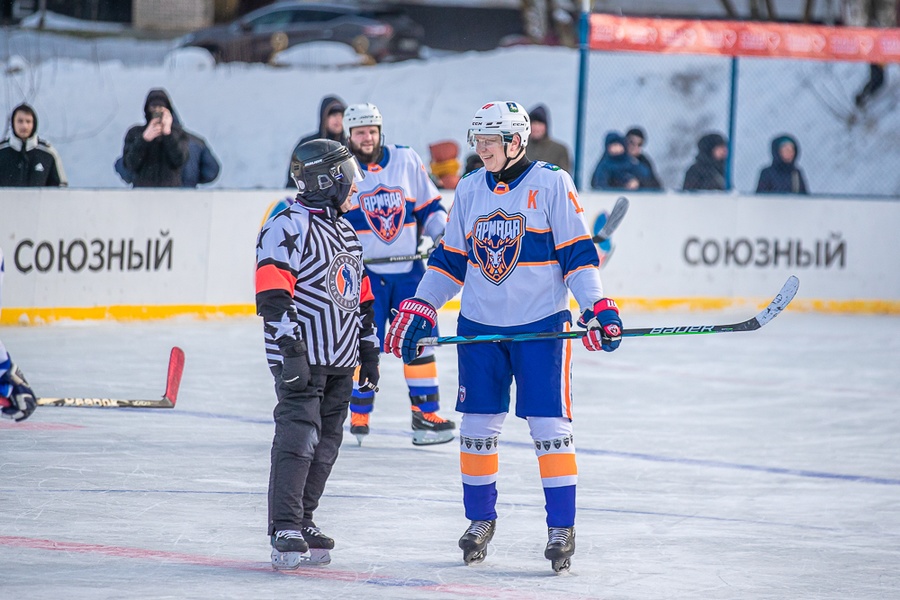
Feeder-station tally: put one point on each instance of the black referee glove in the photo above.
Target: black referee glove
(295, 370)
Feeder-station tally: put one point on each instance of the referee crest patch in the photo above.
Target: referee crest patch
(343, 281)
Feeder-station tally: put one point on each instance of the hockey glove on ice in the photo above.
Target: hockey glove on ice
(16, 397)
(604, 327)
(414, 321)
(368, 368)
(295, 370)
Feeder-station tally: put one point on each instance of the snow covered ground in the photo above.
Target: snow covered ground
(88, 92)
(755, 465)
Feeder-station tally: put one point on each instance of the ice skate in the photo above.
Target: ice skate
(474, 541)
(288, 548)
(560, 548)
(430, 428)
(359, 426)
(320, 545)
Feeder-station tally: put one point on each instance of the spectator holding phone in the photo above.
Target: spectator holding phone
(156, 152)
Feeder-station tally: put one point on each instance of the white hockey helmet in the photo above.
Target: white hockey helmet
(359, 115)
(500, 117)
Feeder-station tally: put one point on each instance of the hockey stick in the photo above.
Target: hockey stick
(173, 382)
(395, 259)
(612, 221)
(784, 297)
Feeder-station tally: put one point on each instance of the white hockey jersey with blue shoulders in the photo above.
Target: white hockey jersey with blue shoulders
(515, 249)
(396, 203)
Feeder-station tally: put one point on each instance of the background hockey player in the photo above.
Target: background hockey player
(316, 304)
(517, 239)
(16, 397)
(396, 204)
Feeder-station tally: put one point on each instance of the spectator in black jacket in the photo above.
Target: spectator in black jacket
(634, 145)
(782, 176)
(25, 159)
(708, 170)
(155, 153)
(331, 127)
(202, 166)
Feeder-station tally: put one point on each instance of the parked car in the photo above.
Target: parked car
(381, 31)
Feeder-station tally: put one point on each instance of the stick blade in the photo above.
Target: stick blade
(173, 380)
(780, 302)
(615, 217)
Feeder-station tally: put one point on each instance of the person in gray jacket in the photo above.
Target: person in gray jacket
(541, 146)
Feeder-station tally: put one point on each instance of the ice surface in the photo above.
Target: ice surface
(745, 465)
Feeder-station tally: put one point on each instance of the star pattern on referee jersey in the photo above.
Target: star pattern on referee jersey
(259, 240)
(289, 242)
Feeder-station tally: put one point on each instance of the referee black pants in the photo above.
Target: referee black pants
(309, 428)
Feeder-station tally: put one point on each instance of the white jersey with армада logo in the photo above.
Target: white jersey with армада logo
(504, 241)
(396, 203)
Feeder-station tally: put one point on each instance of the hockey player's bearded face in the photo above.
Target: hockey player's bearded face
(365, 143)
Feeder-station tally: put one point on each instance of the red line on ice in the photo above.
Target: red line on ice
(308, 572)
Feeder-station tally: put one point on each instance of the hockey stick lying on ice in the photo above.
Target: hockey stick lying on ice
(612, 221)
(173, 382)
(784, 297)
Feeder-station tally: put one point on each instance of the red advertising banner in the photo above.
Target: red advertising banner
(740, 38)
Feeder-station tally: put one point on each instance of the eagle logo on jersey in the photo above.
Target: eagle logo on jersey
(385, 210)
(343, 281)
(497, 243)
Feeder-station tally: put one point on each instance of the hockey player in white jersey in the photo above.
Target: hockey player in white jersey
(16, 396)
(395, 206)
(517, 239)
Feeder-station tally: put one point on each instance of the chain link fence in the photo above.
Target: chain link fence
(848, 142)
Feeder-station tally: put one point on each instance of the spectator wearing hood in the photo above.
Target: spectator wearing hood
(202, 166)
(331, 127)
(708, 170)
(634, 145)
(616, 169)
(25, 159)
(782, 176)
(155, 153)
(541, 146)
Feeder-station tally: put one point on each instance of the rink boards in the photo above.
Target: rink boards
(136, 254)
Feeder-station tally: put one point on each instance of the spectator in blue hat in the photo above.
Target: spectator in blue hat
(616, 169)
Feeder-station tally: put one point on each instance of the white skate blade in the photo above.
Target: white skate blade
(289, 561)
(429, 438)
(561, 566)
(359, 438)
